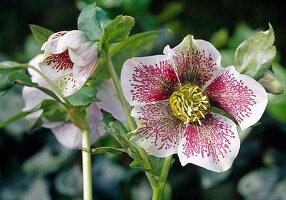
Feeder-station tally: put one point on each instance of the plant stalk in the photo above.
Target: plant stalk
(158, 193)
(86, 166)
(130, 120)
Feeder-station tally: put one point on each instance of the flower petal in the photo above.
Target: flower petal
(70, 136)
(56, 65)
(159, 131)
(72, 40)
(82, 73)
(148, 79)
(196, 61)
(51, 46)
(212, 145)
(85, 54)
(239, 95)
(109, 100)
(68, 85)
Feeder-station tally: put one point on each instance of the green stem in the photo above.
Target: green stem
(130, 120)
(158, 193)
(86, 166)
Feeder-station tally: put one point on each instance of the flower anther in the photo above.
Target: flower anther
(189, 104)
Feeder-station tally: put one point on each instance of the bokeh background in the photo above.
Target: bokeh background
(35, 166)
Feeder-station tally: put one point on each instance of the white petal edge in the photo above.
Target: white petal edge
(51, 46)
(261, 100)
(207, 162)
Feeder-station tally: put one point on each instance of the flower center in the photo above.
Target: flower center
(189, 104)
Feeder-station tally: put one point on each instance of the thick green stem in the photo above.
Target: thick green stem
(158, 193)
(130, 120)
(86, 166)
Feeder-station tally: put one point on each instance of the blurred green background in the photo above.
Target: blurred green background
(35, 166)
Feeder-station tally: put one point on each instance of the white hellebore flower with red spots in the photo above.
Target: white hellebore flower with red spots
(66, 132)
(70, 57)
(171, 94)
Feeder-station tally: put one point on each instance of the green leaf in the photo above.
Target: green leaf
(276, 106)
(271, 83)
(10, 64)
(123, 51)
(156, 164)
(4, 73)
(20, 115)
(45, 162)
(116, 31)
(107, 149)
(254, 56)
(92, 21)
(219, 38)
(83, 97)
(69, 181)
(40, 34)
(259, 184)
(53, 111)
(22, 79)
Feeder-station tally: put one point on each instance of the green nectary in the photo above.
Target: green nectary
(190, 104)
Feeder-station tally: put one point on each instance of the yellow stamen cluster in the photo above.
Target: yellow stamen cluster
(189, 104)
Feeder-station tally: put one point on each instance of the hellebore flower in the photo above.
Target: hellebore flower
(171, 95)
(66, 132)
(71, 57)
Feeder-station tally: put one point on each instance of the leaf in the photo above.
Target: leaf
(210, 179)
(45, 162)
(116, 31)
(92, 21)
(22, 79)
(107, 149)
(69, 181)
(83, 97)
(123, 51)
(39, 189)
(156, 164)
(40, 34)
(259, 184)
(10, 64)
(271, 83)
(53, 111)
(276, 106)
(20, 115)
(219, 38)
(4, 73)
(254, 56)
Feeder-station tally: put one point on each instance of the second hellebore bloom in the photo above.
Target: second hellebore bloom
(69, 59)
(66, 132)
(171, 95)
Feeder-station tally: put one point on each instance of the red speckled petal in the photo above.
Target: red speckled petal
(239, 95)
(159, 131)
(212, 145)
(57, 65)
(68, 85)
(148, 79)
(196, 61)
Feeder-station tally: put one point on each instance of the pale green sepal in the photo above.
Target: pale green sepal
(255, 55)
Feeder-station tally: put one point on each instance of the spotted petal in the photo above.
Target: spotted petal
(56, 65)
(239, 95)
(148, 79)
(212, 145)
(158, 130)
(195, 61)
